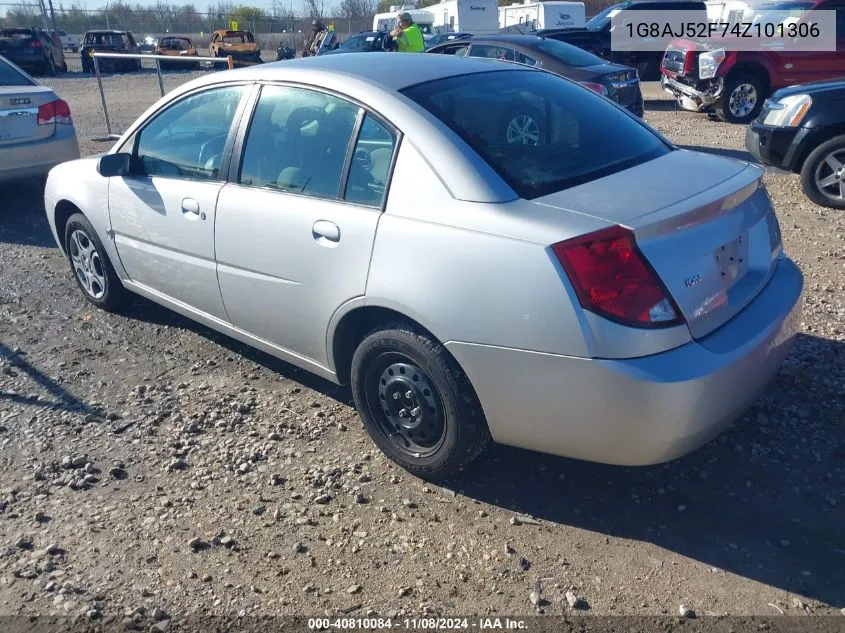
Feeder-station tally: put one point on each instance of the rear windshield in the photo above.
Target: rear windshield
(568, 54)
(114, 40)
(539, 132)
(10, 76)
(238, 38)
(175, 43)
(17, 34)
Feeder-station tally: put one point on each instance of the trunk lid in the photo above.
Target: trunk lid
(704, 223)
(19, 114)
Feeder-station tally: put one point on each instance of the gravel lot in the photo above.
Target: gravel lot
(149, 463)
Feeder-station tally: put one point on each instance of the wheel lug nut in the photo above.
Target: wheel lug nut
(403, 413)
(415, 412)
(396, 396)
(409, 394)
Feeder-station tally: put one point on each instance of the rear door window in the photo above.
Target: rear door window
(490, 51)
(10, 76)
(541, 133)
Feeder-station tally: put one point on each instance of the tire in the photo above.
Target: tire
(735, 104)
(523, 126)
(444, 411)
(91, 267)
(50, 67)
(826, 163)
(64, 66)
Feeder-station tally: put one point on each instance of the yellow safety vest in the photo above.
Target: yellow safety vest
(411, 40)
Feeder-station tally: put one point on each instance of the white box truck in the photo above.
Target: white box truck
(423, 19)
(478, 17)
(543, 15)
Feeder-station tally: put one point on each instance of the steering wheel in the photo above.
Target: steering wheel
(212, 148)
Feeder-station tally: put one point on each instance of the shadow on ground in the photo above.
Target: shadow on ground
(759, 502)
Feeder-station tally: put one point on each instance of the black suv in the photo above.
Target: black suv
(32, 49)
(110, 42)
(801, 129)
(595, 36)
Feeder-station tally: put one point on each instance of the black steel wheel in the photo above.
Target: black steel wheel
(416, 402)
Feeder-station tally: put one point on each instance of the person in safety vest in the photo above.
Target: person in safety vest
(409, 38)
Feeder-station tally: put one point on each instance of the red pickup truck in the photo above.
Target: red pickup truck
(736, 83)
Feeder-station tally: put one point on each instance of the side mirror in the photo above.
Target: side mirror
(112, 165)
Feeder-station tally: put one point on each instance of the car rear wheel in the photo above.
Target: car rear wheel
(742, 99)
(91, 266)
(823, 174)
(524, 126)
(416, 403)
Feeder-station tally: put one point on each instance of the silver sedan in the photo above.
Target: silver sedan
(36, 128)
(483, 251)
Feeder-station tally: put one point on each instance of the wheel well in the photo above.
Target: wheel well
(354, 328)
(64, 210)
(812, 142)
(756, 70)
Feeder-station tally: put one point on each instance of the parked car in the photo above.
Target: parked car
(110, 42)
(69, 42)
(735, 84)
(148, 44)
(364, 42)
(583, 296)
(802, 129)
(618, 83)
(595, 36)
(33, 49)
(241, 45)
(36, 128)
(442, 38)
(285, 52)
(173, 46)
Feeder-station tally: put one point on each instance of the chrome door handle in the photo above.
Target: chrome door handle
(323, 229)
(189, 205)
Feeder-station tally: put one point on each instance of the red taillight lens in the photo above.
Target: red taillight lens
(36, 44)
(613, 279)
(689, 62)
(57, 111)
(595, 87)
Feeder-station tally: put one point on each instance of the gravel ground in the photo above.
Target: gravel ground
(149, 463)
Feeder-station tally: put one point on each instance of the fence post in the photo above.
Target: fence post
(158, 72)
(102, 95)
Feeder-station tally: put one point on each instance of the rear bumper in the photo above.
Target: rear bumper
(28, 160)
(692, 98)
(637, 411)
(26, 61)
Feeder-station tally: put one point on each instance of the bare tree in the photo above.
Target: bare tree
(357, 8)
(315, 9)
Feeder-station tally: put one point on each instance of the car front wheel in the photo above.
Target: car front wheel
(742, 99)
(416, 403)
(91, 266)
(823, 174)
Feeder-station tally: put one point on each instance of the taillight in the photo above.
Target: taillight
(57, 111)
(599, 88)
(36, 44)
(613, 279)
(689, 61)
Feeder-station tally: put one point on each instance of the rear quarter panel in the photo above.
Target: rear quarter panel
(474, 272)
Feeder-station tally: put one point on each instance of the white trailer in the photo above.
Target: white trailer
(478, 17)
(543, 15)
(730, 11)
(423, 19)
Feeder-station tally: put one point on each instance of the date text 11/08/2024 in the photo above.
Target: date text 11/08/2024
(416, 624)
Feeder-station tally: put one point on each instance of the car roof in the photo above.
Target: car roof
(95, 31)
(524, 40)
(383, 70)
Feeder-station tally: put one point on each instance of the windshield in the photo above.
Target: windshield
(600, 20)
(539, 132)
(568, 54)
(426, 29)
(113, 40)
(238, 38)
(16, 34)
(11, 76)
(359, 43)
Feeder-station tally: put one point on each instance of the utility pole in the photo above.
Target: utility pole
(53, 15)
